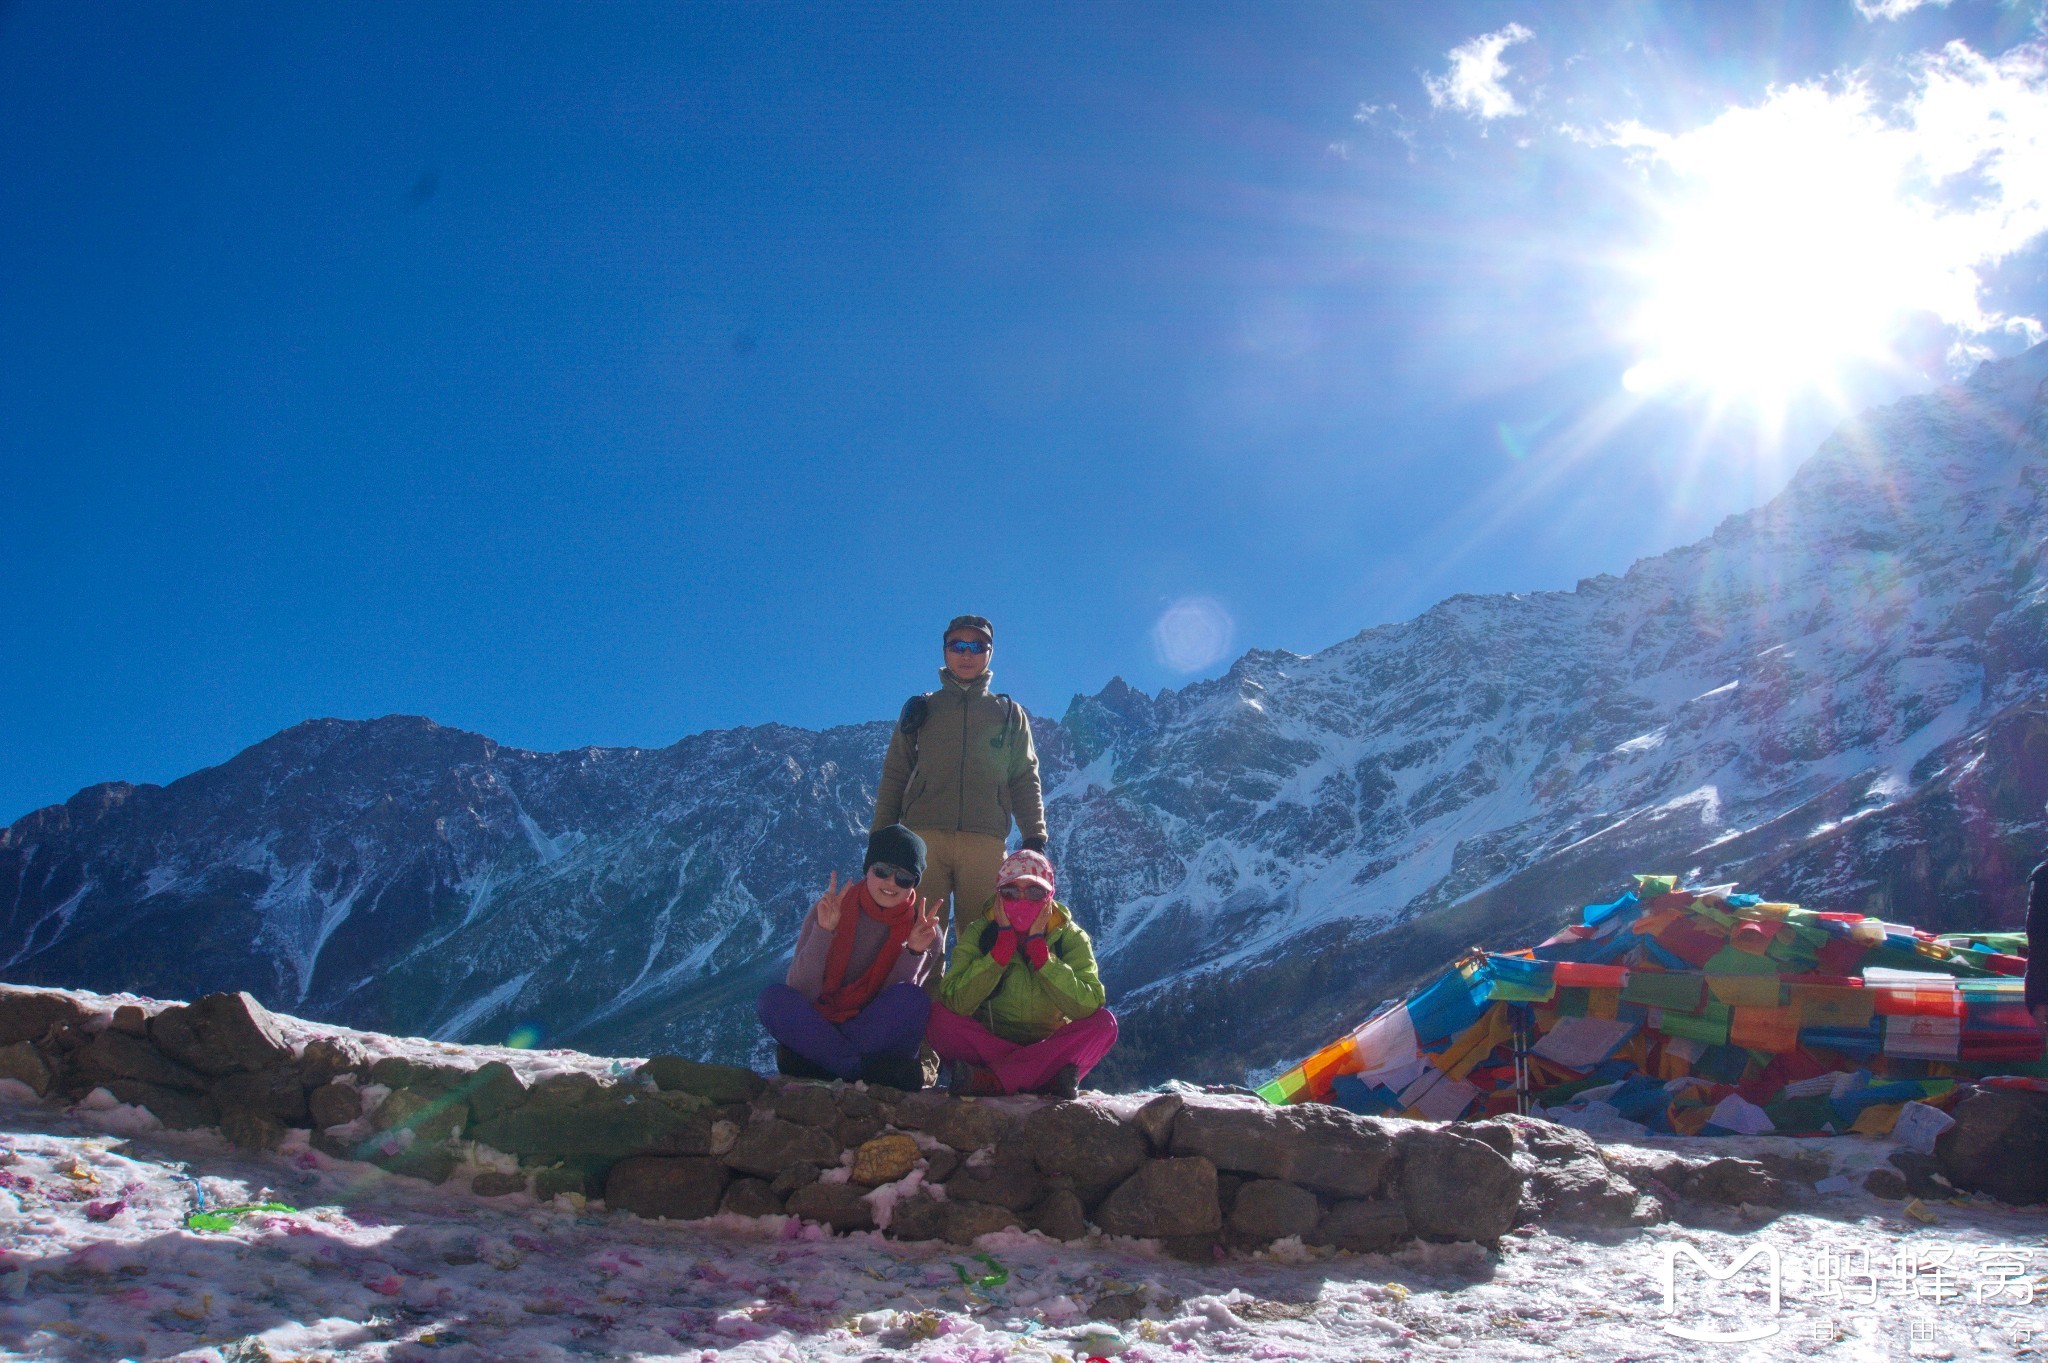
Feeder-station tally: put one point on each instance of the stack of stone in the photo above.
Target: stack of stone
(1202, 1171)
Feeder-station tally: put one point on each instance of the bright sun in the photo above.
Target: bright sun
(1797, 239)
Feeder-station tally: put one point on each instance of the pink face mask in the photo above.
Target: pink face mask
(1021, 912)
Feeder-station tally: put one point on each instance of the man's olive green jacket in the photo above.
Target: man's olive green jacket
(961, 760)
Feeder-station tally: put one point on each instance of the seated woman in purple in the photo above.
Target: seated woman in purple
(854, 1006)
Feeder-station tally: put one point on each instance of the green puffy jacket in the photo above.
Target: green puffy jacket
(961, 761)
(1014, 1001)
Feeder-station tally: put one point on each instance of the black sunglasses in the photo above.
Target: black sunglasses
(1033, 892)
(904, 880)
(967, 646)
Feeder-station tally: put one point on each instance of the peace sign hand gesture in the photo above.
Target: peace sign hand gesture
(925, 930)
(827, 907)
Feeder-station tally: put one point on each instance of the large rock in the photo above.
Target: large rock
(429, 1117)
(919, 1217)
(1922, 1173)
(793, 1177)
(274, 1093)
(220, 1034)
(1566, 1179)
(679, 1188)
(962, 1223)
(1005, 1176)
(838, 1205)
(805, 1104)
(600, 1124)
(442, 1075)
(1999, 1145)
(1317, 1146)
(857, 1130)
(1060, 1215)
(1452, 1187)
(718, 1083)
(29, 1014)
(428, 1162)
(493, 1090)
(494, 1183)
(884, 1159)
(913, 1111)
(175, 1108)
(766, 1148)
(568, 1089)
(751, 1197)
(1659, 1173)
(569, 1176)
(1174, 1196)
(1268, 1209)
(116, 1055)
(326, 1058)
(967, 1125)
(1363, 1226)
(334, 1105)
(1086, 1143)
(1732, 1182)
(24, 1064)
(250, 1129)
(1154, 1121)
(1583, 1192)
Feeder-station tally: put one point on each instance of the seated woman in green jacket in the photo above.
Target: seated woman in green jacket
(1020, 1007)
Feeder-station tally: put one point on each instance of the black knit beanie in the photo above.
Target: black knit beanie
(896, 846)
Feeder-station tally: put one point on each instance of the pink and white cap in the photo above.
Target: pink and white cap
(1025, 867)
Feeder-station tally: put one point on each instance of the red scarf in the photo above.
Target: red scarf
(841, 998)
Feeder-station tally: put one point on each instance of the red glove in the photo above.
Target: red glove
(1034, 952)
(1005, 947)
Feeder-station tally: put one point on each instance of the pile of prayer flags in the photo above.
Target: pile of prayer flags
(1694, 1011)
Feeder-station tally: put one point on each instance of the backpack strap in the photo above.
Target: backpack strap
(914, 712)
(1013, 713)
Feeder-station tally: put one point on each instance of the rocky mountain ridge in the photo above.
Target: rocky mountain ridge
(1840, 697)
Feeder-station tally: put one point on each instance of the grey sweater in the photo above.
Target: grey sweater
(814, 944)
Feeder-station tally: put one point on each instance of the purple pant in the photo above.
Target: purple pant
(1022, 1068)
(892, 1024)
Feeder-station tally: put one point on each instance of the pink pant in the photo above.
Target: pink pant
(1022, 1069)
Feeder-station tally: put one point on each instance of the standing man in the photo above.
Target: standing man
(961, 766)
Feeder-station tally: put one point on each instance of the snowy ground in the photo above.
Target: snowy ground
(99, 1265)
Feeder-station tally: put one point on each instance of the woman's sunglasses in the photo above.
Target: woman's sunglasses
(904, 880)
(1033, 892)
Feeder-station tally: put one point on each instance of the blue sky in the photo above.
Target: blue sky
(600, 374)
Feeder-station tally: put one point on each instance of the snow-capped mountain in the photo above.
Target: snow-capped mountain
(1840, 698)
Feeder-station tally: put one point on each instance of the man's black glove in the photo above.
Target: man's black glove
(1034, 844)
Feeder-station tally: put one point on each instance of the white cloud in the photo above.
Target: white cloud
(1474, 83)
(1894, 9)
(1192, 633)
(1813, 227)
(1387, 118)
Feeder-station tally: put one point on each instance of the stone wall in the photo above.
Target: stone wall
(1204, 1172)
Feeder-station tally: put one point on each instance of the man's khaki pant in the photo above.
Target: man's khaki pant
(962, 865)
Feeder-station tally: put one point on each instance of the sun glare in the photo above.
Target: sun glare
(1806, 235)
(1787, 248)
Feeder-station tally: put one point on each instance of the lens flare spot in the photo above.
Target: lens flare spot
(524, 1037)
(1192, 634)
